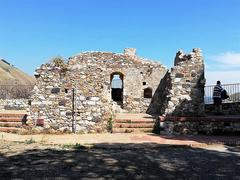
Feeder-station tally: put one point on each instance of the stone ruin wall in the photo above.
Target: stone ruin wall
(90, 75)
(181, 91)
(178, 92)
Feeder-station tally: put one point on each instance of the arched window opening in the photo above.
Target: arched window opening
(148, 92)
(117, 87)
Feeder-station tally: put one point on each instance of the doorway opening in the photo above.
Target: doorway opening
(147, 93)
(117, 87)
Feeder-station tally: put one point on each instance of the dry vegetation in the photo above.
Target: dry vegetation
(10, 75)
(15, 91)
(59, 62)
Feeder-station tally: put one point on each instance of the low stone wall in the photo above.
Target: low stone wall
(228, 109)
(14, 104)
(218, 125)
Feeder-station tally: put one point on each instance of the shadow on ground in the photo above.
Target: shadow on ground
(207, 139)
(122, 161)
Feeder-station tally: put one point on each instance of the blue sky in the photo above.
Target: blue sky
(31, 32)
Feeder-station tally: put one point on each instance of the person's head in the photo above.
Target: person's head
(218, 83)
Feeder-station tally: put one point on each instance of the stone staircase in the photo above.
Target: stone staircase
(11, 122)
(133, 123)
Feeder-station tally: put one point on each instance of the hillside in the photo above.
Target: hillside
(10, 75)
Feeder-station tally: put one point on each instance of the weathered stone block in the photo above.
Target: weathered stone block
(62, 103)
(179, 75)
(91, 103)
(69, 113)
(55, 90)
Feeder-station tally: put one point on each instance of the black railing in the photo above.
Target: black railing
(15, 91)
(233, 91)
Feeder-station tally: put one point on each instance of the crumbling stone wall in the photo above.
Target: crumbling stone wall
(89, 74)
(181, 91)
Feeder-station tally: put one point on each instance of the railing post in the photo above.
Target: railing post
(73, 112)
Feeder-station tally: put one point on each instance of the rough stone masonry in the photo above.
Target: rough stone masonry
(92, 86)
(181, 91)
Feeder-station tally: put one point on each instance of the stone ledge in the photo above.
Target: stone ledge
(197, 119)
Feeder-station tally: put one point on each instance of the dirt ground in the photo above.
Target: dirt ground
(27, 158)
(121, 138)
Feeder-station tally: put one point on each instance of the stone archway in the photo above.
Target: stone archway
(117, 87)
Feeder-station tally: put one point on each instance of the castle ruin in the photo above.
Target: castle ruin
(92, 86)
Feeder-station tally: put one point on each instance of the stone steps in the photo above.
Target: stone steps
(147, 121)
(133, 123)
(10, 119)
(11, 122)
(9, 129)
(132, 130)
(2, 115)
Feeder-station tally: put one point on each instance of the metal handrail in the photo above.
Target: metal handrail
(233, 91)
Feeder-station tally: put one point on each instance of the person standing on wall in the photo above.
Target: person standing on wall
(217, 97)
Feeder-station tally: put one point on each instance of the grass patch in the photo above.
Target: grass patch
(30, 141)
(74, 146)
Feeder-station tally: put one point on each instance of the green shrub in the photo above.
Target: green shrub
(79, 146)
(30, 141)
(75, 146)
(110, 124)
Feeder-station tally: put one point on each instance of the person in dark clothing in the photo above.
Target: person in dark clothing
(217, 98)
